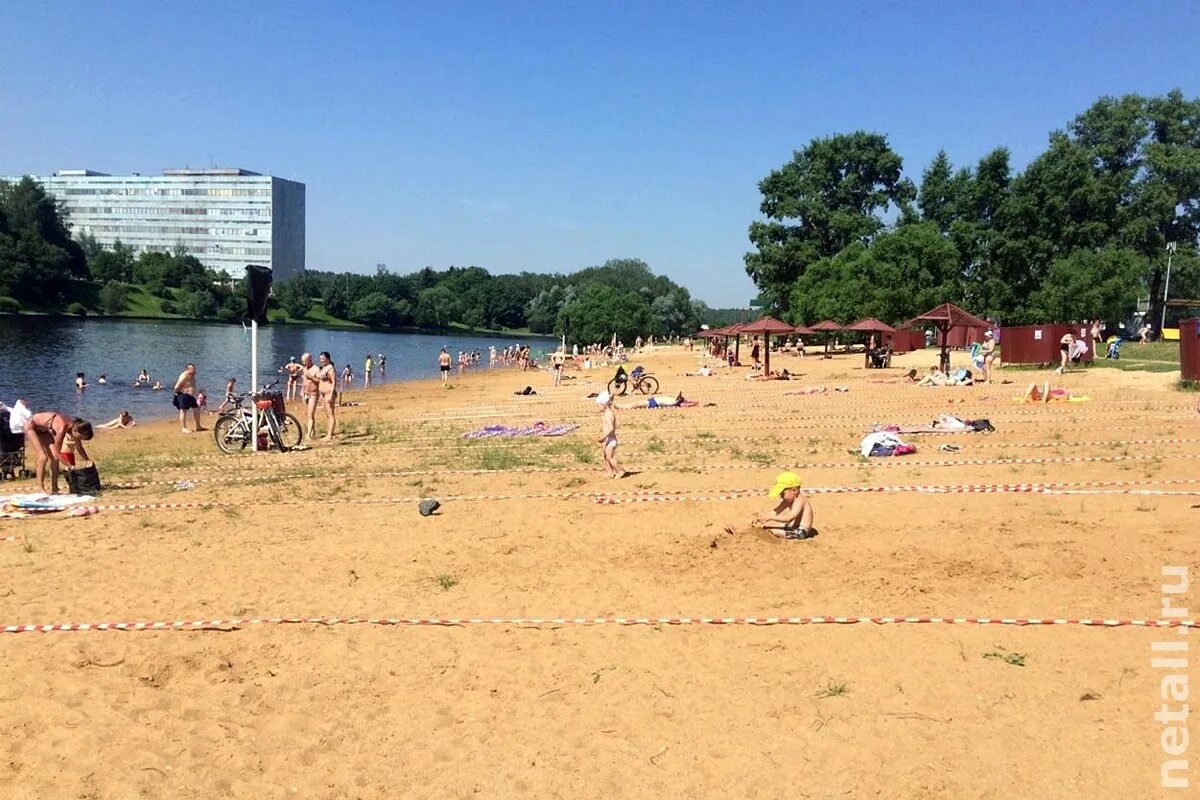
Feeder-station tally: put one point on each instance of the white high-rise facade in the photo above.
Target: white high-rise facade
(227, 218)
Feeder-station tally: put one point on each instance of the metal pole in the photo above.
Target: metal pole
(1166, 288)
(253, 385)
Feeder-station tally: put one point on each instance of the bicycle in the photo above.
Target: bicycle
(638, 380)
(233, 428)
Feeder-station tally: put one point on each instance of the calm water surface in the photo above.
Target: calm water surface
(39, 358)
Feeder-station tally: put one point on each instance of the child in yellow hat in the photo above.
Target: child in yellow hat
(792, 518)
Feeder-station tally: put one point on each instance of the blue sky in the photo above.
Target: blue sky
(550, 136)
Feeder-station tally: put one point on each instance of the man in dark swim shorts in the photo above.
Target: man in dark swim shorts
(185, 398)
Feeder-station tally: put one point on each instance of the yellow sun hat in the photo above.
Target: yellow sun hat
(786, 480)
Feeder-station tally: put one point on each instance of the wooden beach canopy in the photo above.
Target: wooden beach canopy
(945, 317)
(871, 325)
(766, 326)
(826, 326)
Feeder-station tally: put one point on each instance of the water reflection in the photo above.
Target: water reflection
(39, 357)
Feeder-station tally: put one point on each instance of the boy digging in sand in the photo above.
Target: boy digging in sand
(608, 435)
(792, 518)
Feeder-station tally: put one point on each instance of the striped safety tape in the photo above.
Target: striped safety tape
(226, 624)
(882, 462)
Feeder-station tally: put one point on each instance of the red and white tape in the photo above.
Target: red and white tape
(1081, 487)
(414, 622)
(882, 462)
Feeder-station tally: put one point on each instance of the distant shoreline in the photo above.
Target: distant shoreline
(333, 325)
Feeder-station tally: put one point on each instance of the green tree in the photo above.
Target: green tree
(113, 297)
(294, 298)
(336, 300)
(1088, 284)
(375, 309)
(198, 305)
(827, 197)
(542, 311)
(902, 273)
(112, 265)
(436, 307)
(28, 209)
(598, 311)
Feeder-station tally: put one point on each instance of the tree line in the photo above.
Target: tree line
(621, 296)
(1080, 233)
(43, 268)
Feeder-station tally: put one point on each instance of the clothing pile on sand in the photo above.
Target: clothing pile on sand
(884, 443)
(536, 429)
(945, 423)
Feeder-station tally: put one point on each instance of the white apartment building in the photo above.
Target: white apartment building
(227, 218)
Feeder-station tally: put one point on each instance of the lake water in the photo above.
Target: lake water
(39, 357)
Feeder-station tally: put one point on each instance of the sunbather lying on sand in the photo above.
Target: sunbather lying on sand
(935, 377)
(1045, 393)
(770, 376)
(809, 390)
(909, 377)
(792, 518)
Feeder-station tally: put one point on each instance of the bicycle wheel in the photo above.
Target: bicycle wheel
(291, 433)
(648, 385)
(617, 388)
(231, 434)
(273, 432)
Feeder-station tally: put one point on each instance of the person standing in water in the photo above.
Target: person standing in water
(368, 368)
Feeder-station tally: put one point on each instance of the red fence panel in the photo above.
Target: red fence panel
(1189, 349)
(906, 341)
(1039, 344)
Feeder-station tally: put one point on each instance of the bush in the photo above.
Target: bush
(168, 307)
(376, 309)
(198, 305)
(9, 306)
(77, 309)
(113, 296)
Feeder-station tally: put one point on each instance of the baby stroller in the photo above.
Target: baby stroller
(1114, 350)
(12, 451)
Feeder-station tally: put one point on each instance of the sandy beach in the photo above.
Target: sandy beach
(531, 528)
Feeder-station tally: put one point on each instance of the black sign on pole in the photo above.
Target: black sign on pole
(258, 289)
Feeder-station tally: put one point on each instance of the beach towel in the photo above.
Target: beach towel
(536, 429)
(19, 506)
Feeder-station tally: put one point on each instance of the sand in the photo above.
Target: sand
(562, 710)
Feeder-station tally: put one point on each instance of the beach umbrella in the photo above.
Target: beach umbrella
(870, 325)
(945, 317)
(826, 326)
(766, 326)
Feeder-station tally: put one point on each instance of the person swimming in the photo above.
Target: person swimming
(80, 381)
